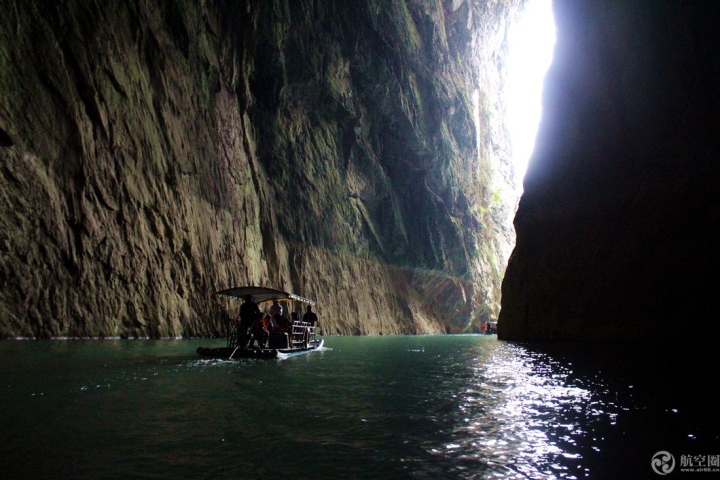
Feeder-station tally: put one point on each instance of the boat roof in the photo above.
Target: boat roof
(263, 294)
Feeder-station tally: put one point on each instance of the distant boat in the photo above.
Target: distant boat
(299, 337)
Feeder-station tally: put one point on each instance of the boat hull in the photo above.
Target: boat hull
(294, 351)
(229, 353)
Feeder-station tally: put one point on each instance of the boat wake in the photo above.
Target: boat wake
(283, 356)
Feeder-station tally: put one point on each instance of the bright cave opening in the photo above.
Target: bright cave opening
(530, 50)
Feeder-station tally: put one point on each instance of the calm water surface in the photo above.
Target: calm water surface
(416, 407)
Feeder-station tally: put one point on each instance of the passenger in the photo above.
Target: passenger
(295, 317)
(276, 309)
(260, 332)
(249, 312)
(310, 316)
(282, 324)
(269, 322)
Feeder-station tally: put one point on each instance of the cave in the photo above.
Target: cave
(155, 154)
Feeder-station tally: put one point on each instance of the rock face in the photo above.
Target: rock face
(156, 152)
(617, 229)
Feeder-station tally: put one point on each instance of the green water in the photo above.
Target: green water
(416, 407)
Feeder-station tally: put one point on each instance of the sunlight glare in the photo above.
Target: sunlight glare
(530, 49)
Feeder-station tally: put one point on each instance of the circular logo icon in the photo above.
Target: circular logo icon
(663, 463)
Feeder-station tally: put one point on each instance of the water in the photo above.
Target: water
(416, 407)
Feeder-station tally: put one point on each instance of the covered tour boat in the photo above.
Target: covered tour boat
(298, 337)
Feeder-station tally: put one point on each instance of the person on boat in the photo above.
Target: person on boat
(269, 322)
(295, 317)
(276, 309)
(282, 324)
(249, 312)
(260, 332)
(310, 316)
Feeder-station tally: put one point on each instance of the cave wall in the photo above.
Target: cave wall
(162, 151)
(617, 228)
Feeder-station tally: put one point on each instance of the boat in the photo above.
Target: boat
(299, 338)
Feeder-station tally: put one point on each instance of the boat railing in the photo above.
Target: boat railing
(302, 335)
(298, 337)
(311, 333)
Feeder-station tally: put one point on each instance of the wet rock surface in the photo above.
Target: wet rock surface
(156, 152)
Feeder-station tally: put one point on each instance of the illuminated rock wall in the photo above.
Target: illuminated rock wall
(166, 150)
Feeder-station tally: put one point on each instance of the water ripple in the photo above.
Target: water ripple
(415, 407)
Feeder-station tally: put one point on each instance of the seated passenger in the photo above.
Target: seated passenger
(260, 332)
(282, 324)
(276, 308)
(269, 323)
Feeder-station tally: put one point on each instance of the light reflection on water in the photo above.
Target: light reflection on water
(517, 402)
(418, 407)
(514, 418)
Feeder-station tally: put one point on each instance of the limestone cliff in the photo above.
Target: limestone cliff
(156, 152)
(617, 229)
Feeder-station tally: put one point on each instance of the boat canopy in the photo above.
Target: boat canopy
(263, 294)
